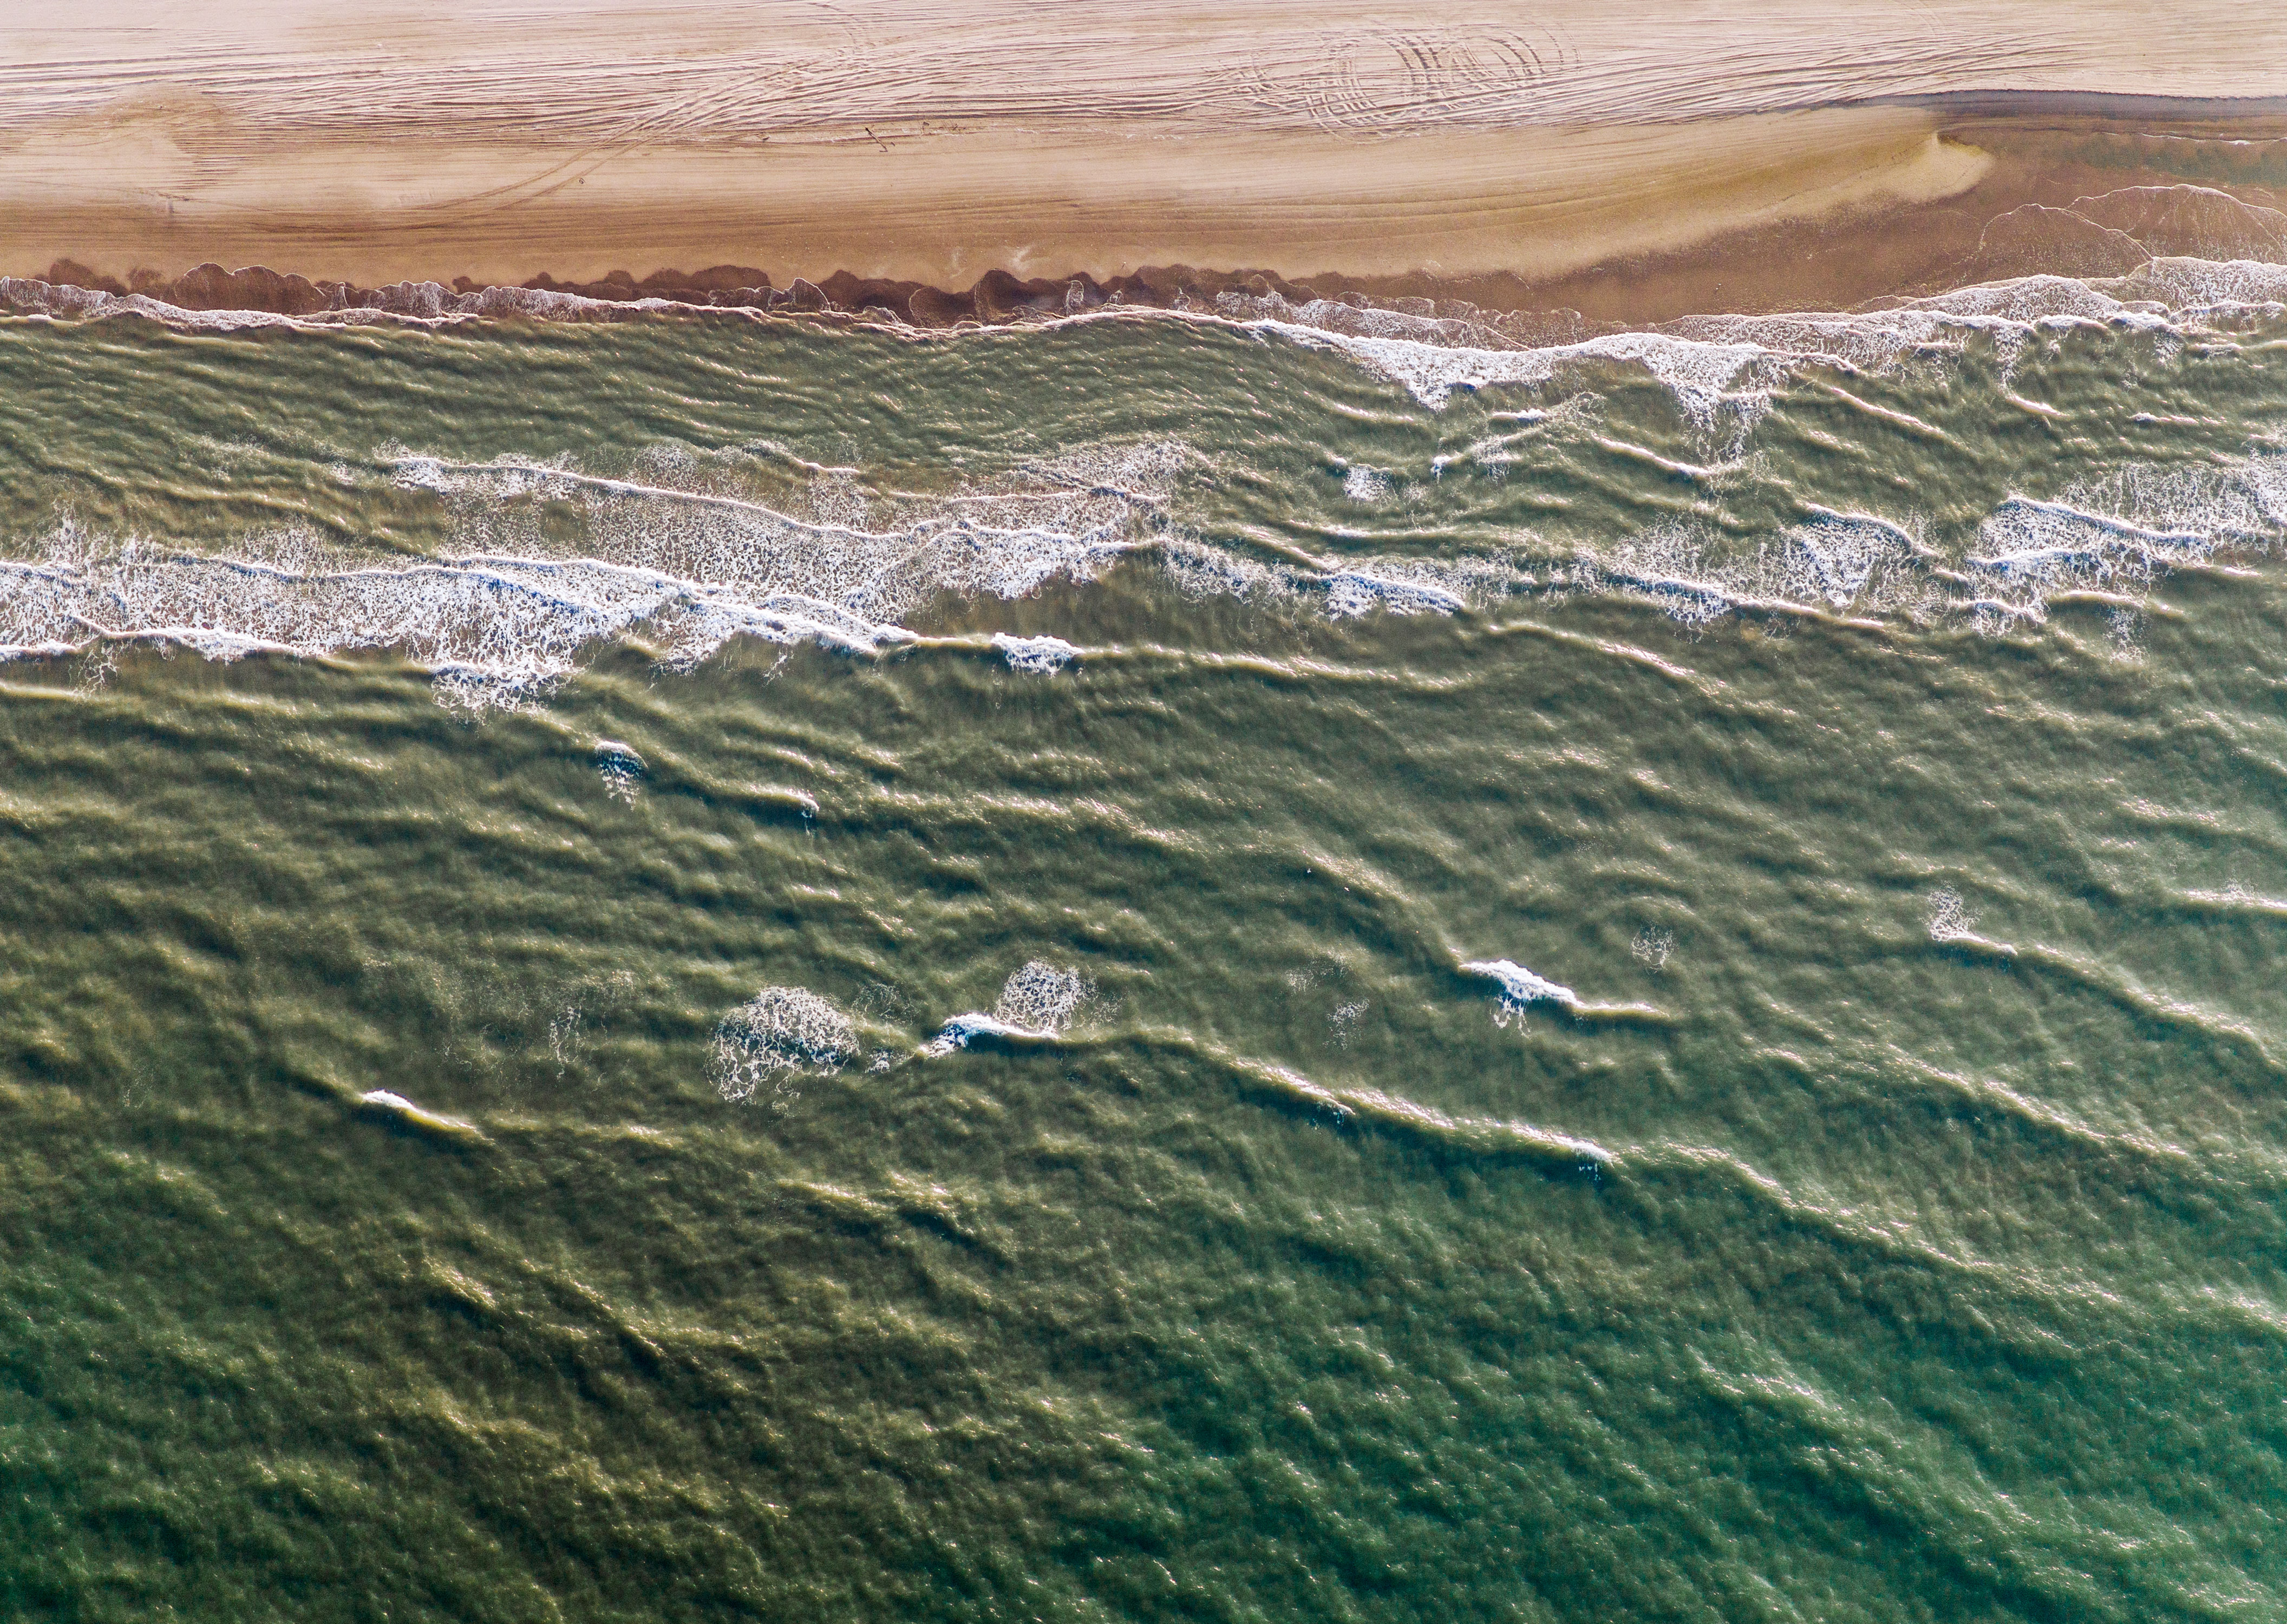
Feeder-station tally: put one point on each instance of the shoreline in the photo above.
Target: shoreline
(942, 206)
(2069, 195)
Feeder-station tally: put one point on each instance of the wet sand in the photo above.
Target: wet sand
(1093, 199)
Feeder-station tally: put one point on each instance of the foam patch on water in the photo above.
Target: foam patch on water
(2040, 550)
(2117, 534)
(2229, 287)
(688, 569)
(2127, 628)
(1068, 515)
(1365, 486)
(784, 1033)
(546, 560)
(1355, 592)
(400, 303)
(1043, 997)
(1949, 919)
(1829, 564)
(492, 627)
(1833, 563)
(1701, 375)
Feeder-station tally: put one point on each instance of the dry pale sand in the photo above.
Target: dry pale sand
(932, 142)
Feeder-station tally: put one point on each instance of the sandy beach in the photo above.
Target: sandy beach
(1505, 148)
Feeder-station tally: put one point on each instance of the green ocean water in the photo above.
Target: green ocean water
(1609, 997)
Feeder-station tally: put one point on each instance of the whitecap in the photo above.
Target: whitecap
(955, 1033)
(388, 1102)
(1044, 656)
(1037, 1002)
(621, 768)
(1521, 987)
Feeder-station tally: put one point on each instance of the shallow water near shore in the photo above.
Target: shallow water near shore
(1151, 967)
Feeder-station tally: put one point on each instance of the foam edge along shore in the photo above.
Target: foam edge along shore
(687, 561)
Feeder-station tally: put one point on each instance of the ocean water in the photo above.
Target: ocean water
(1149, 967)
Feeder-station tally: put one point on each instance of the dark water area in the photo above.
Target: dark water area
(1152, 968)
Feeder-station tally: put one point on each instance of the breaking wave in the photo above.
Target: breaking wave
(687, 558)
(686, 571)
(1523, 989)
(686, 568)
(1721, 368)
(1038, 1003)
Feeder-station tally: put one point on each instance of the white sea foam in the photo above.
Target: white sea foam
(679, 552)
(1720, 369)
(2208, 286)
(1651, 946)
(1071, 515)
(1700, 375)
(1365, 484)
(1037, 1002)
(1522, 988)
(1043, 997)
(621, 768)
(2127, 627)
(2114, 535)
(1045, 655)
(686, 568)
(1950, 920)
(1349, 588)
(401, 303)
(1360, 588)
(1715, 365)
(1199, 571)
(1839, 562)
(497, 626)
(2118, 534)
(783, 1033)
(957, 1031)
